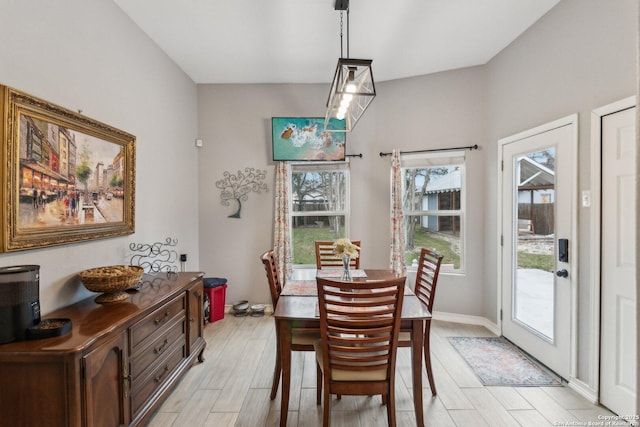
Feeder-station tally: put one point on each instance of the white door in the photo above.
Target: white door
(618, 253)
(538, 241)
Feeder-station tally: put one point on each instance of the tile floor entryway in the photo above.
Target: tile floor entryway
(232, 386)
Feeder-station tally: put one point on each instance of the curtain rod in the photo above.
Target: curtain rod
(469, 147)
(353, 155)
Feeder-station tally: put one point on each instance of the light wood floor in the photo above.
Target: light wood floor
(232, 386)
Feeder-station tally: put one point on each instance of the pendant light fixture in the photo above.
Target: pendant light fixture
(352, 89)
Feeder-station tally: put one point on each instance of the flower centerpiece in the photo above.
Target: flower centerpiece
(346, 250)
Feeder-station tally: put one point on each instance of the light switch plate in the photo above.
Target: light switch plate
(198, 143)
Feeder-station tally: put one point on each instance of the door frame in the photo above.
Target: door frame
(571, 120)
(595, 228)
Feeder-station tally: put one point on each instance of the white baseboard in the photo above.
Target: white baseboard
(583, 389)
(469, 320)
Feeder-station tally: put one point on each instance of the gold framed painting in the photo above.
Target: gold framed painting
(65, 177)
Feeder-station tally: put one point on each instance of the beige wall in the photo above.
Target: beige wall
(234, 123)
(89, 55)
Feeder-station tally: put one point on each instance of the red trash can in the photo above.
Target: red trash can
(216, 289)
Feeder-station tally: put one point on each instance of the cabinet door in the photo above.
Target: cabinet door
(106, 384)
(195, 315)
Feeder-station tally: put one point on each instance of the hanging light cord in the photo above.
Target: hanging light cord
(341, 42)
(347, 32)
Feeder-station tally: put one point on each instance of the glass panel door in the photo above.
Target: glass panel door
(533, 287)
(538, 250)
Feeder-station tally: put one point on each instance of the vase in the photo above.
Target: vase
(346, 274)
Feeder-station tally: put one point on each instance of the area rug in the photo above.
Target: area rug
(497, 362)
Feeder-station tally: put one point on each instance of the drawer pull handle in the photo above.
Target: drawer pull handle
(161, 374)
(161, 347)
(159, 320)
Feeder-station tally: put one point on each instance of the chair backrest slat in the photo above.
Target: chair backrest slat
(427, 276)
(325, 257)
(271, 268)
(359, 323)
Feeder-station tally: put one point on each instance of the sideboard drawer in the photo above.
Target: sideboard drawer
(163, 370)
(148, 355)
(156, 321)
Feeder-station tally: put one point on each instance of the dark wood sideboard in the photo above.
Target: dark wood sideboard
(115, 367)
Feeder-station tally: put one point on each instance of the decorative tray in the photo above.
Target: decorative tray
(48, 328)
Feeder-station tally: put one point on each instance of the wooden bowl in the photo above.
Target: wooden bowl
(111, 281)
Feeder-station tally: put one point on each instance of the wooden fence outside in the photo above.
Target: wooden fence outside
(542, 215)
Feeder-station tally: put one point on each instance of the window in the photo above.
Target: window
(319, 207)
(433, 207)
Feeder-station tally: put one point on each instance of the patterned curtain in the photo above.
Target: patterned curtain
(282, 230)
(397, 260)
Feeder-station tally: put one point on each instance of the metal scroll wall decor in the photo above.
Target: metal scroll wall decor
(237, 187)
(155, 257)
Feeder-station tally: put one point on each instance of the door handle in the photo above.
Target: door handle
(562, 273)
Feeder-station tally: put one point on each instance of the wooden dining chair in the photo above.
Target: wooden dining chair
(326, 259)
(425, 290)
(359, 327)
(301, 339)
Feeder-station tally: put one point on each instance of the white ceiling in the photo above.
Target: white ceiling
(298, 41)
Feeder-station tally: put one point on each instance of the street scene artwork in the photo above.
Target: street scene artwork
(300, 138)
(67, 177)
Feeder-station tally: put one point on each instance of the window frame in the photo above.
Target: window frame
(327, 166)
(433, 160)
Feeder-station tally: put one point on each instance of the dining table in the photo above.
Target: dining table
(297, 308)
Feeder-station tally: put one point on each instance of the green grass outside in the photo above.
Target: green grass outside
(430, 240)
(537, 261)
(305, 253)
(304, 243)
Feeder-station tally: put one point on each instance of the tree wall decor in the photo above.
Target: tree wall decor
(237, 187)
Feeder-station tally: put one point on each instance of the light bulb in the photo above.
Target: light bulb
(350, 88)
(342, 109)
(347, 96)
(344, 103)
(340, 115)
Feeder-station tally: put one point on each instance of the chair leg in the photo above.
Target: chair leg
(391, 407)
(277, 370)
(318, 384)
(326, 409)
(427, 358)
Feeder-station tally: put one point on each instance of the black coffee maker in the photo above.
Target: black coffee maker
(19, 301)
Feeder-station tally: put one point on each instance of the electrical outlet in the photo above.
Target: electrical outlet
(183, 257)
